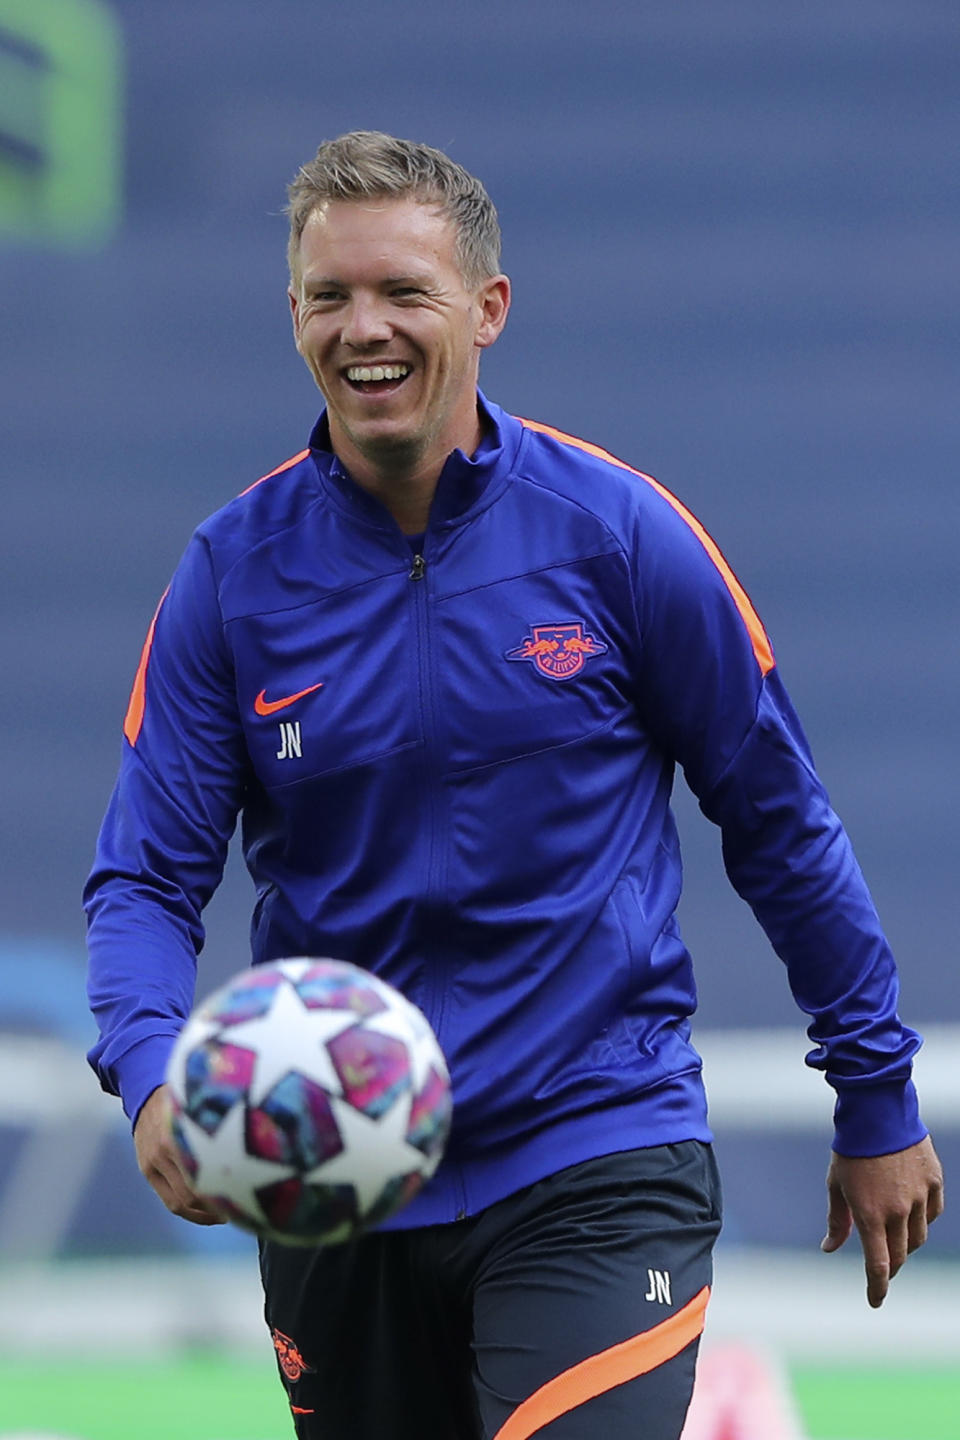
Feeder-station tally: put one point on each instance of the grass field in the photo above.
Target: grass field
(210, 1397)
(861, 1403)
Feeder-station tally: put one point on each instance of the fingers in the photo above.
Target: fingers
(174, 1190)
(898, 1243)
(839, 1220)
(935, 1198)
(837, 1234)
(886, 1247)
(892, 1200)
(922, 1216)
(877, 1265)
(159, 1163)
(181, 1201)
(917, 1224)
(198, 1216)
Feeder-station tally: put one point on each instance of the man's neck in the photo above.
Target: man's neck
(404, 481)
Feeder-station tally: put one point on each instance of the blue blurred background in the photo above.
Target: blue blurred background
(733, 232)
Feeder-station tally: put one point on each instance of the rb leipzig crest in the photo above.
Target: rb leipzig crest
(558, 651)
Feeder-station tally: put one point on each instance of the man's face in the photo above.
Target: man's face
(389, 330)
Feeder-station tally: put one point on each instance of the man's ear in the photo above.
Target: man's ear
(294, 299)
(494, 300)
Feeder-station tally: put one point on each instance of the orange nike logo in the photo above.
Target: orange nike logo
(263, 706)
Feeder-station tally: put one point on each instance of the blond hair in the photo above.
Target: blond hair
(368, 164)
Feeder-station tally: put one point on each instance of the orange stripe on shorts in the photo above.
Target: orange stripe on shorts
(759, 640)
(138, 695)
(602, 1372)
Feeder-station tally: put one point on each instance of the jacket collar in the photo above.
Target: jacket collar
(463, 481)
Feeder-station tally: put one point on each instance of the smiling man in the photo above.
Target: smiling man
(392, 333)
(491, 643)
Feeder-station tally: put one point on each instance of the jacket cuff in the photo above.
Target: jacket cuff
(876, 1119)
(141, 1070)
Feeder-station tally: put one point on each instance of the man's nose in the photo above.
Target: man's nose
(365, 323)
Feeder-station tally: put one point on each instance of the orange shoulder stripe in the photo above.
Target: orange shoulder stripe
(602, 1372)
(134, 716)
(138, 695)
(287, 465)
(759, 639)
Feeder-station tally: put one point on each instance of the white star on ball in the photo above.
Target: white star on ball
(289, 1036)
(374, 1151)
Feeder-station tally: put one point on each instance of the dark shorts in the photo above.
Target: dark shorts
(570, 1310)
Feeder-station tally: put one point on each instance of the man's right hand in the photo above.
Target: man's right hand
(159, 1163)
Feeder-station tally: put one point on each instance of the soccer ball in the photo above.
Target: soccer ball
(309, 1100)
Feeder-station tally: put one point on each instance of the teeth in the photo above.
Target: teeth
(377, 372)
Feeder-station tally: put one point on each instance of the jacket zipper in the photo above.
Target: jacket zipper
(434, 997)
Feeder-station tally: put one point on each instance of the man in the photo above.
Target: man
(495, 642)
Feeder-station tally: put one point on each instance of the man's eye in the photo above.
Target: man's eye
(403, 292)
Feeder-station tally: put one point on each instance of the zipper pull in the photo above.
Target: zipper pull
(419, 568)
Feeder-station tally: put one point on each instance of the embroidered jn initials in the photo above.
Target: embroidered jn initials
(659, 1281)
(290, 741)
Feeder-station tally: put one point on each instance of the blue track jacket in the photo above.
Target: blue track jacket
(455, 771)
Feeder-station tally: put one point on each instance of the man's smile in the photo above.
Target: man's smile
(378, 372)
(383, 379)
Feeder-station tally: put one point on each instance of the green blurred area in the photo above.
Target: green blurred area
(209, 1397)
(201, 1397)
(61, 122)
(870, 1403)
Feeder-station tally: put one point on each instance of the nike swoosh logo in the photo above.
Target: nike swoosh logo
(263, 706)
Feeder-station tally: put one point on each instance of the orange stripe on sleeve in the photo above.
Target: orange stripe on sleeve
(759, 639)
(287, 465)
(599, 1373)
(138, 695)
(134, 716)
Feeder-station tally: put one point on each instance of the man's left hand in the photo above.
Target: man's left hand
(891, 1199)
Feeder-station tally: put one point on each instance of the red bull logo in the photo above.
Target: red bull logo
(291, 1361)
(558, 651)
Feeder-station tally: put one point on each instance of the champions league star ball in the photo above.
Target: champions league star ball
(310, 1101)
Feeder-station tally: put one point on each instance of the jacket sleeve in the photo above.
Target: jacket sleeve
(162, 847)
(714, 700)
